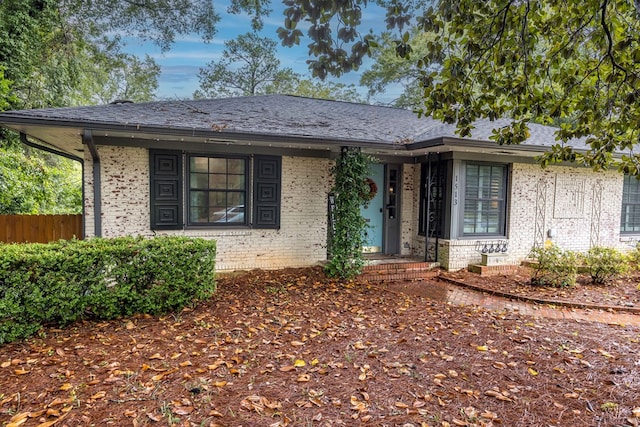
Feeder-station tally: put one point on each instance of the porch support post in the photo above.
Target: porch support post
(427, 209)
(87, 139)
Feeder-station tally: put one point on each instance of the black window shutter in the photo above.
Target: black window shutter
(267, 171)
(165, 170)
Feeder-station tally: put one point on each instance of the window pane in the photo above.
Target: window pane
(198, 198)
(199, 164)
(236, 182)
(218, 198)
(236, 214)
(218, 213)
(236, 199)
(199, 180)
(235, 166)
(197, 215)
(472, 182)
(218, 206)
(218, 182)
(217, 165)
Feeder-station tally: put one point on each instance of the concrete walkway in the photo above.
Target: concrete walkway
(461, 294)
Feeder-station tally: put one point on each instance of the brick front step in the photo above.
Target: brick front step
(399, 271)
(492, 270)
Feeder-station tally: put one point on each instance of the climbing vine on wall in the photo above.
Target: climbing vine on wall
(351, 192)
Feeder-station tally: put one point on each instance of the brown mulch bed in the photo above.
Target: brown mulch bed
(291, 347)
(623, 292)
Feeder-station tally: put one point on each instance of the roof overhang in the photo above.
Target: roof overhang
(66, 136)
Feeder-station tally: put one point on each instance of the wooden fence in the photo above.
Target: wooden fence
(39, 228)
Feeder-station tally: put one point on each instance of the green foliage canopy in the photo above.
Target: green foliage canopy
(55, 54)
(28, 185)
(249, 66)
(390, 69)
(337, 45)
(574, 64)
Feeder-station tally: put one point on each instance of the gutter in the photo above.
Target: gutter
(130, 130)
(87, 139)
(134, 131)
(25, 141)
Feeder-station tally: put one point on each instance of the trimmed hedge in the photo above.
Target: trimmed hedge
(59, 283)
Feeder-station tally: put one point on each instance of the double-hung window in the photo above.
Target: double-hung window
(218, 188)
(630, 218)
(484, 199)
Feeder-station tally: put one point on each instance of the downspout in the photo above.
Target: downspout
(25, 141)
(427, 209)
(87, 139)
(438, 165)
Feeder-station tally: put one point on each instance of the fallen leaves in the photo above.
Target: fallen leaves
(98, 395)
(500, 395)
(161, 376)
(325, 353)
(261, 405)
(360, 406)
(48, 411)
(303, 378)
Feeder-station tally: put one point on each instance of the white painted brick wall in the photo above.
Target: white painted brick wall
(575, 229)
(301, 240)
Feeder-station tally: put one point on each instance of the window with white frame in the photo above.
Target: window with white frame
(484, 199)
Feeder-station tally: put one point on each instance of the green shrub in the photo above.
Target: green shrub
(555, 267)
(605, 264)
(58, 283)
(633, 257)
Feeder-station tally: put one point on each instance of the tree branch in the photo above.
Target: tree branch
(605, 27)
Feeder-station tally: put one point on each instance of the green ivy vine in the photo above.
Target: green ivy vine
(348, 230)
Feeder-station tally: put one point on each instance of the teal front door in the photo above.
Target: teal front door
(373, 212)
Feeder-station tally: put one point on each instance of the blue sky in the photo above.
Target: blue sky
(180, 65)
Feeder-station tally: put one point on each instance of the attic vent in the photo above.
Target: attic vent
(121, 101)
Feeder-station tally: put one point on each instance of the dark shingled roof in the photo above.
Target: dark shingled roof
(274, 115)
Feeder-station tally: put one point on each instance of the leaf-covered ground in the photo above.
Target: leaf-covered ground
(293, 348)
(620, 292)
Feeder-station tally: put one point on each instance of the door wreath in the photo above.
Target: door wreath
(373, 189)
